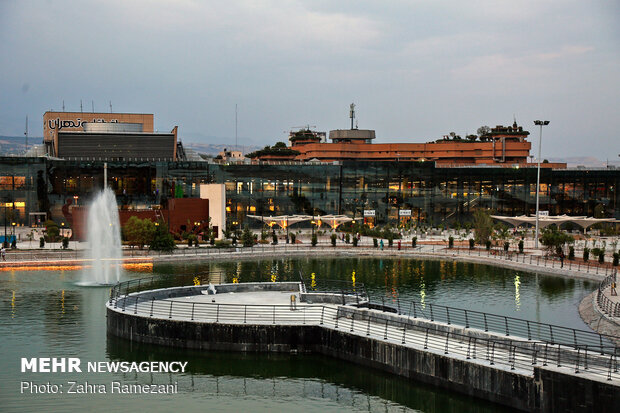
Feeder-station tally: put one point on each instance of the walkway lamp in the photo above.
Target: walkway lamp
(540, 123)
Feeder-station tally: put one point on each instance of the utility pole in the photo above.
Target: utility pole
(540, 123)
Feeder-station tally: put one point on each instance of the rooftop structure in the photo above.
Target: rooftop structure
(107, 137)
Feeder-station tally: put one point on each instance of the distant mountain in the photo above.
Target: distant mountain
(587, 161)
(16, 145)
(213, 149)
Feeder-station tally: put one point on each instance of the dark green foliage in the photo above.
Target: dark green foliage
(488, 244)
(414, 242)
(14, 243)
(355, 241)
(375, 243)
(162, 239)
(274, 239)
(552, 238)
(65, 243)
(41, 242)
(314, 240)
(571, 253)
(521, 246)
(247, 238)
(347, 238)
(616, 259)
(471, 243)
(333, 237)
(293, 238)
(601, 257)
(483, 226)
(506, 246)
(139, 232)
(451, 242)
(51, 230)
(390, 241)
(586, 254)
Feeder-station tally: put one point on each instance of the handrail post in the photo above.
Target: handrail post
(506, 323)
(217, 314)
(466, 320)
(529, 335)
(170, 314)
(152, 302)
(486, 327)
(448, 314)
(386, 330)
(322, 313)
(193, 304)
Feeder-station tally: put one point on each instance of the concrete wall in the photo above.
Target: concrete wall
(216, 194)
(546, 391)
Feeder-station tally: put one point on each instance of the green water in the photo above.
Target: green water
(46, 314)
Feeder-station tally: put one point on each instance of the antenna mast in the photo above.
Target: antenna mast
(81, 109)
(352, 113)
(110, 106)
(236, 147)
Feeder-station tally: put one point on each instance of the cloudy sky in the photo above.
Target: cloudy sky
(416, 69)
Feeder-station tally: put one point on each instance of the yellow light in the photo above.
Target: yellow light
(228, 209)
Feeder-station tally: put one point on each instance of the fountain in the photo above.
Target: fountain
(104, 239)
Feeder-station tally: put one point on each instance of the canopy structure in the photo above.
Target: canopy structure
(544, 221)
(332, 220)
(287, 220)
(282, 220)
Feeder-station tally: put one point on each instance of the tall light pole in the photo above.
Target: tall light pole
(540, 123)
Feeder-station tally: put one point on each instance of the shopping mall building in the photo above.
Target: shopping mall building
(383, 191)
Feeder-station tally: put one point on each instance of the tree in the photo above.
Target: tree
(247, 238)
(162, 239)
(483, 130)
(139, 232)
(554, 239)
(483, 226)
(51, 230)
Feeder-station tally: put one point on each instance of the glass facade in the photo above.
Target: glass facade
(432, 195)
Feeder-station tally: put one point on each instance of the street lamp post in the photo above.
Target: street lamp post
(540, 123)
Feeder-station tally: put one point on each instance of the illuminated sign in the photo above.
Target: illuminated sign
(369, 212)
(404, 213)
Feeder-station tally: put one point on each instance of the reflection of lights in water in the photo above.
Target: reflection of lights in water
(313, 281)
(274, 273)
(133, 266)
(353, 278)
(422, 292)
(517, 293)
(13, 305)
(62, 301)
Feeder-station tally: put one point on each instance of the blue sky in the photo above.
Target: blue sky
(416, 70)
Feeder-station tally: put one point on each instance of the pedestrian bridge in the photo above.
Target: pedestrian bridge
(524, 364)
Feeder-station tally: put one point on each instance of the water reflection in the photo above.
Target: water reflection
(288, 377)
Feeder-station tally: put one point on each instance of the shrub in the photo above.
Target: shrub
(347, 238)
(571, 253)
(293, 238)
(333, 238)
(14, 243)
(414, 242)
(390, 241)
(222, 243)
(41, 242)
(488, 244)
(616, 259)
(586, 254)
(520, 246)
(247, 238)
(355, 241)
(506, 246)
(472, 242)
(601, 257)
(274, 239)
(375, 243)
(212, 239)
(65, 243)
(190, 241)
(451, 242)
(315, 240)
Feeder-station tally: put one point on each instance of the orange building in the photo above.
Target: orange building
(502, 145)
